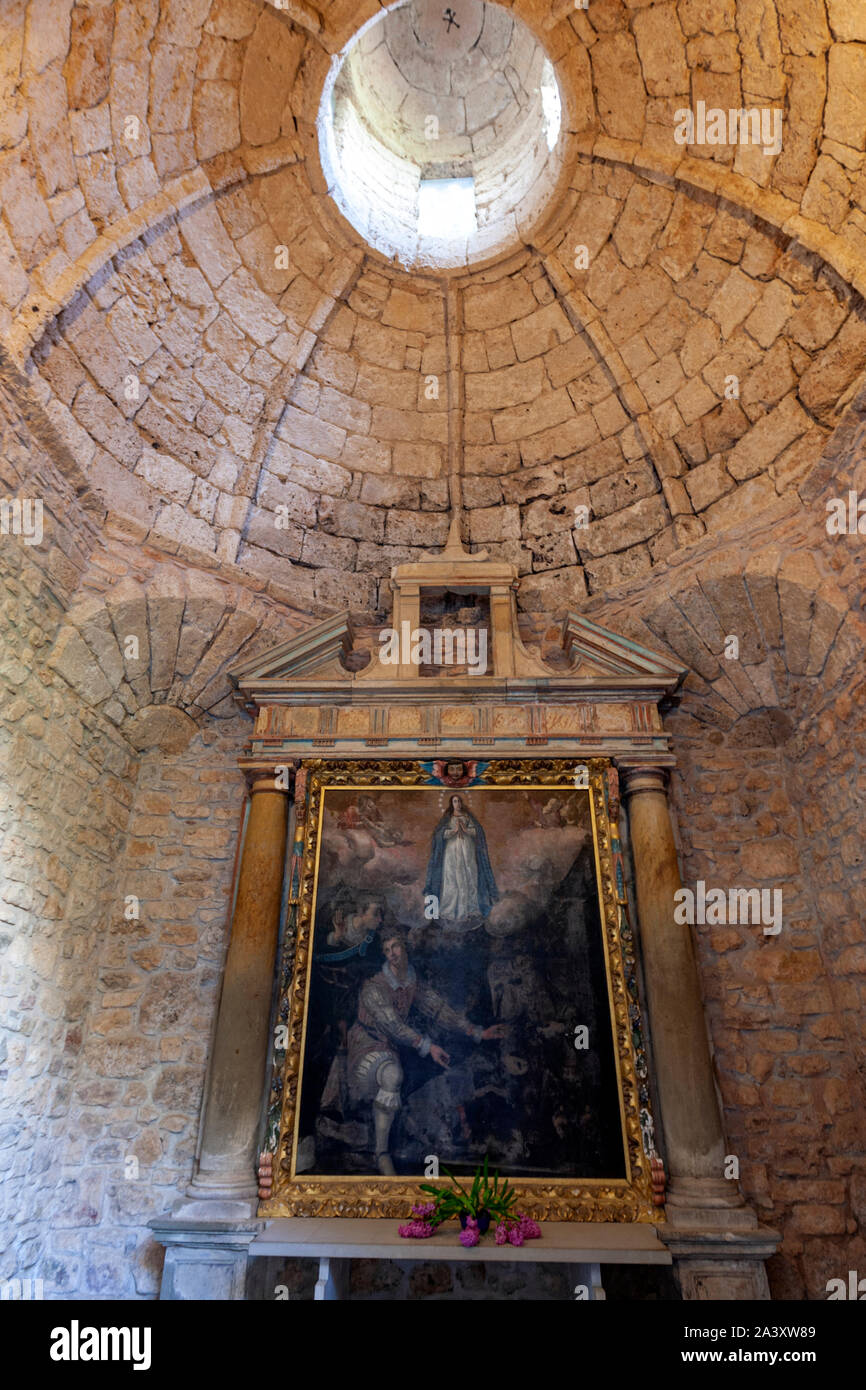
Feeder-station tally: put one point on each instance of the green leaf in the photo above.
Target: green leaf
(457, 1184)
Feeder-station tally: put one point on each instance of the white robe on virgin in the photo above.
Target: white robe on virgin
(459, 897)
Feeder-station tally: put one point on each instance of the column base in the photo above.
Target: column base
(205, 1259)
(698, 1203)
(229, 1188)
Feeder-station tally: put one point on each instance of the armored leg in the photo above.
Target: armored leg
(389, 1076)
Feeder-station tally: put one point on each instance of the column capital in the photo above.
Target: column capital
(266, 782)
(643, 778)
(266, 776)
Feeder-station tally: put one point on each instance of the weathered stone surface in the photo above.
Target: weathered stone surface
(76, 663)
(847, 20)
(555, 591)
(541, 331)
(833, 370)
(661, 50)
(816, 321)
(215, 118)
(510, 386)
(770, 315)
(160, 727)
(86, 70)
(620, 490)
(491, 306)
(846, 74)
(619, 85)
(646, 212)
(171, 88)
(352, 519)
(751, 499)
(769, 436)
(808, 86)
(270, 65)
(624, 529)
(707, 483)
(546, 410)
(736, 299)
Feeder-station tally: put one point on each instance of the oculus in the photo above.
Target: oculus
(441, 145)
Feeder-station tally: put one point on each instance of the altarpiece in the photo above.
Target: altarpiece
(458, 976)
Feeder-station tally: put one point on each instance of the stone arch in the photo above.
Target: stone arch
(153, 657)
(795, 629)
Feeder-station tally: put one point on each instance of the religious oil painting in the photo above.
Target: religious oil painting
(459, 993)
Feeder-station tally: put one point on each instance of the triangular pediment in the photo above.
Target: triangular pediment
(322, 656)
(319, 653)
(310, 655)
(594, 648)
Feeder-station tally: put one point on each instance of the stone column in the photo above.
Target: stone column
(715, 1239)
(226, 1167)
(684, 1072)
(207, 1237)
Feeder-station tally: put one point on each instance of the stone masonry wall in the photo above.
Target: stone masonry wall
(297, 424)
(136, 1096)
(67, 788)
(785, 1048)
(106, 1018)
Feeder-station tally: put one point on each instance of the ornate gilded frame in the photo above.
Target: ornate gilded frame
(583, 1199)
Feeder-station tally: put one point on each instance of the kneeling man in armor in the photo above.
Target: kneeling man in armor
(382, 1030)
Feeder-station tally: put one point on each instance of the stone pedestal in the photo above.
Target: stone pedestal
(205, 1260)
(721, 1265)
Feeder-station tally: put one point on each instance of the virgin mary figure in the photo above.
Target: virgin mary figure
(459, 872)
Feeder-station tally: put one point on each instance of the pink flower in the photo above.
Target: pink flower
(423, 1209)
(501, 1236)
(471, 1223)
(469, 1237)
(416, 1230)
(515, 1236)
(529, 1229)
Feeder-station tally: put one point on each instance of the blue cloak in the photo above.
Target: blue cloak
(487, 890)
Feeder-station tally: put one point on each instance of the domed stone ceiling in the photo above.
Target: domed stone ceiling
(426, 92)
(240, 379)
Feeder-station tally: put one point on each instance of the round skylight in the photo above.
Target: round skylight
(439, 131)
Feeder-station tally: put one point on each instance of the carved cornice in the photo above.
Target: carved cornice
(308, 699)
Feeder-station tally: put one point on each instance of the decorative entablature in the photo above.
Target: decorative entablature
(309, 702)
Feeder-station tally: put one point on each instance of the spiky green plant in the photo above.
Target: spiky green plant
(492, 1194)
